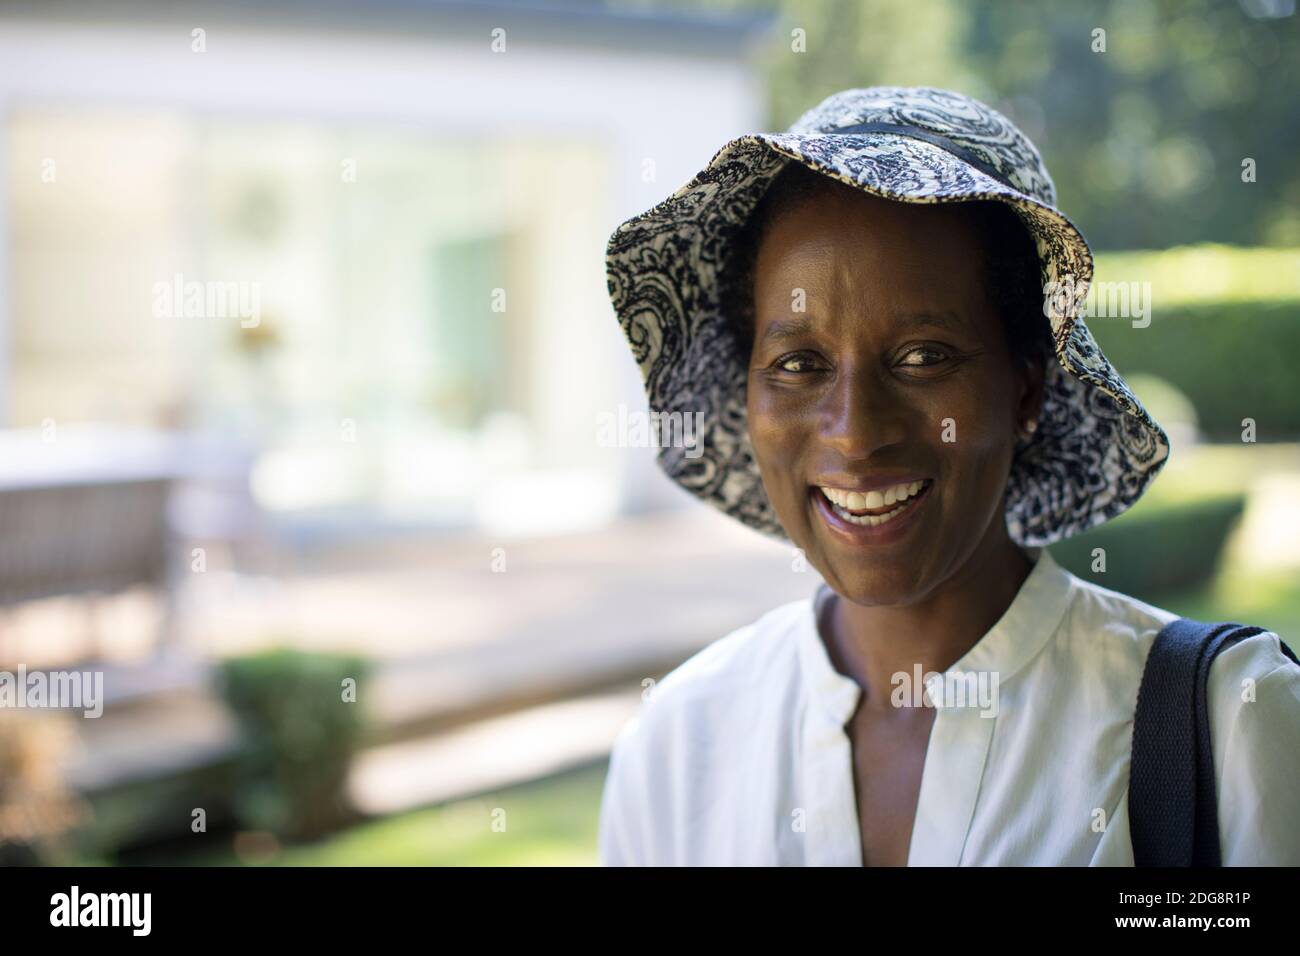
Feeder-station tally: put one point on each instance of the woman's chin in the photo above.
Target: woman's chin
(876, 587)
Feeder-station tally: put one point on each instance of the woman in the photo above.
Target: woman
(857, 308)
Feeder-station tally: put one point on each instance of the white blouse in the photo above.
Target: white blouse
(740, 755)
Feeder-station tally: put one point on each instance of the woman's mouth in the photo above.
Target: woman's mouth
(875, 507)
(877, 515)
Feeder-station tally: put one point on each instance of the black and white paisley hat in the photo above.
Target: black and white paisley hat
(1095, 450)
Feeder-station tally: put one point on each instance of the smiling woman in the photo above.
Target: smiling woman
(912, 316)
(866, 312)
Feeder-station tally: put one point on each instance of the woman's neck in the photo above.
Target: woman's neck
(873, 643)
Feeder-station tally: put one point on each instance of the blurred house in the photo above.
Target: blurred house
(363, 241)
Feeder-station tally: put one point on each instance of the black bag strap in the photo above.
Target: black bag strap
(1172, 757)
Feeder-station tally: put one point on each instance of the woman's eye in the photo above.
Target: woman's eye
(918, 357)
(797, 362)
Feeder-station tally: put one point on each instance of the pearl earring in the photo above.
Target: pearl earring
(1031, 426)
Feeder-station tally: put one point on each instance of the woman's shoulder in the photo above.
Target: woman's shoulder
(1115, 619)
(1253, 702)
(1253, 699)
(1113, 616)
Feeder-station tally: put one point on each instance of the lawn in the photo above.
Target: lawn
(550, 822)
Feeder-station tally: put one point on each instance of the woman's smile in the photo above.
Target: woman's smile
(879, 516)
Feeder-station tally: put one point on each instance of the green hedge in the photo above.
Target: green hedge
(1154, 552)
(1233, 360)
(299, 736)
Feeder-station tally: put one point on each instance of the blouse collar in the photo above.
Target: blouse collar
(1032, 617)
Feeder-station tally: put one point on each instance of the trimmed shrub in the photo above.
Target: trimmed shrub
(1233, 360)
(1157, 551)
(299, 735)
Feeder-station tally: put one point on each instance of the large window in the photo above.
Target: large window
(394, 318)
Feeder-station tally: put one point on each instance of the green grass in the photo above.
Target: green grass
(551, 822)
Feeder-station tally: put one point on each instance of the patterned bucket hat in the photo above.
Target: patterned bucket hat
(1095, 450)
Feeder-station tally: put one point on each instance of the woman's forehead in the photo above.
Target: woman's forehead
(777, 330)
(850, 221)
(918, 258)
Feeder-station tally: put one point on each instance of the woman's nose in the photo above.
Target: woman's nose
(861, 412)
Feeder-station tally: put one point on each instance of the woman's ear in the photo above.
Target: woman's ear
(1029, 404)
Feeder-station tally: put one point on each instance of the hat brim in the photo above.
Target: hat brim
(1096, 448)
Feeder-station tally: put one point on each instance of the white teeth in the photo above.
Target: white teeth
(845, 502)
(871, 520)
(858, 501)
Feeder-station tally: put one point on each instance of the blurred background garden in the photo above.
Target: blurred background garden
(386, 485)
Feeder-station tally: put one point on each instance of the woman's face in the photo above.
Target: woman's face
(879, 363)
